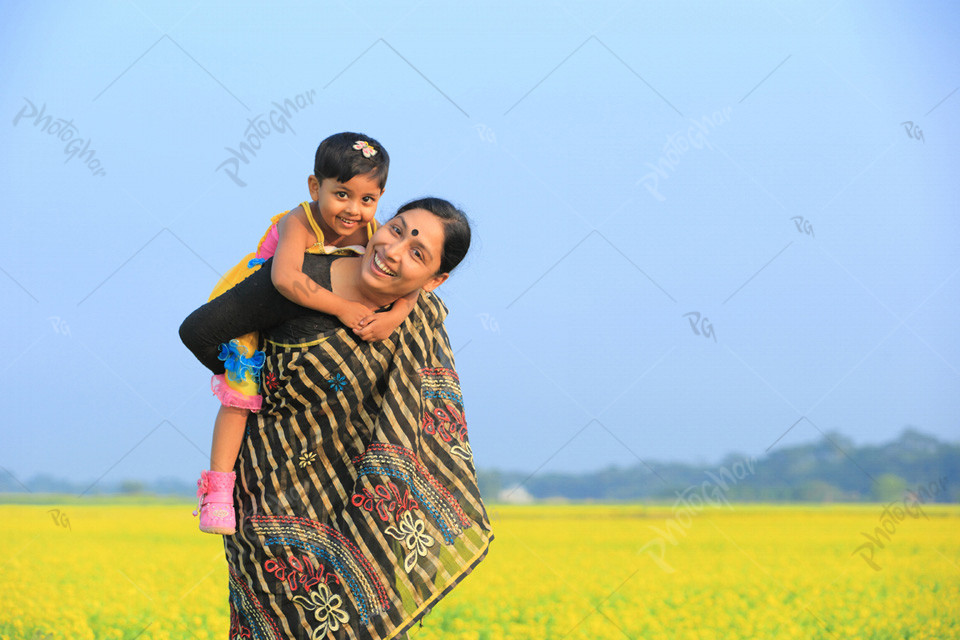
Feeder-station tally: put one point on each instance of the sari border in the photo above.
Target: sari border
(287, 345)
(424, 608)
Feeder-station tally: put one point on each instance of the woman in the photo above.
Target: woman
(356, 492)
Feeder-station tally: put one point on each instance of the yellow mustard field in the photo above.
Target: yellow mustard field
(109, 570)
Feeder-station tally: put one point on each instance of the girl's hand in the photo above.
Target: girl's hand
(380, 326)
(374, 328)
(351, 313)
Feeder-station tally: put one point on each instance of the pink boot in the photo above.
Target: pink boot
(215, 502)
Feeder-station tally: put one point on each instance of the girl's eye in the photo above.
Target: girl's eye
(341, 194)
(368, 199)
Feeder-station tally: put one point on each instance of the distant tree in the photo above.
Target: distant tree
(132, 487)
(889, 487)
(818, 491)
(489, 482)
(830, 469)
(913, 440)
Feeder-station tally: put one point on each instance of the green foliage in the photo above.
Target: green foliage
(889, 487)
(832, 469)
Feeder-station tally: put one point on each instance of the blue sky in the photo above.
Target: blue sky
(697, 227)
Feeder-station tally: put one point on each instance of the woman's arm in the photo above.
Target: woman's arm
(289, 279)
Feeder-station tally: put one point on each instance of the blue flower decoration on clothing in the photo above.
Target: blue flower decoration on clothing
(255, 261)
(236, 363)
(337, 382)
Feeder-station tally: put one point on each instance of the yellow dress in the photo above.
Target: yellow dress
(239, 386)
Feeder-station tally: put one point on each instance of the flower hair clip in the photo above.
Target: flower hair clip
(365, 148)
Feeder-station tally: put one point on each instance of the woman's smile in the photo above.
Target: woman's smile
(397, 261)
(380, 266)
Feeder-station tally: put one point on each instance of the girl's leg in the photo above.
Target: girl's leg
(253, 304)
(215, 487)
(227, 436)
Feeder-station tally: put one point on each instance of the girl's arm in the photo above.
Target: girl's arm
(380, 326)
(289, 279)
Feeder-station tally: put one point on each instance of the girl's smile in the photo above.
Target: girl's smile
(345, 207)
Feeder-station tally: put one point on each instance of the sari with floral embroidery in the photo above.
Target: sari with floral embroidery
(357, 499)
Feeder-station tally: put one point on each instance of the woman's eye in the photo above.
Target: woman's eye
(395, 229)
(417, 254)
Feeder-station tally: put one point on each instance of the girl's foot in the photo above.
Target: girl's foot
(215, 502)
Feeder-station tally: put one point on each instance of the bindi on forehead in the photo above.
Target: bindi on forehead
(415, 232)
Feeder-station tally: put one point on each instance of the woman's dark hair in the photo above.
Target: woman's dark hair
(336, 158)
(456, 229)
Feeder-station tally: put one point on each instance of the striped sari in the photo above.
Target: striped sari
(357, 498)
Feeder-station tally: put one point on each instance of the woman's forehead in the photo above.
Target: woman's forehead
(421, 223)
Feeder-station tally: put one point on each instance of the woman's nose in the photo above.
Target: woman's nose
(393, 250)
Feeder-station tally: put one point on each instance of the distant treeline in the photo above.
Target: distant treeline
(831, 470)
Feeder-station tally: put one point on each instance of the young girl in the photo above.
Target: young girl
(350, 173)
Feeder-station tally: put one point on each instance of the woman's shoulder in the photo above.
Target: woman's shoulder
(432, 308)
(316, 266)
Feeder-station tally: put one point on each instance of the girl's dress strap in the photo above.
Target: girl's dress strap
(268, 243)
(313, 223)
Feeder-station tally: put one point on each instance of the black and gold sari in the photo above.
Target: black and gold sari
(357, 498)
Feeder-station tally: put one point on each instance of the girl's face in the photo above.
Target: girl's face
(346, 206)
(404, 254)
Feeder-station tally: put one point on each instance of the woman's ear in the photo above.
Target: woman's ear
(435, 281)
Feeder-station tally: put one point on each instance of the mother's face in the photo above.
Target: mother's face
(404, 255)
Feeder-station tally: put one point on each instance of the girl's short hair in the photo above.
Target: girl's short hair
(456, 229)
(336, 158)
